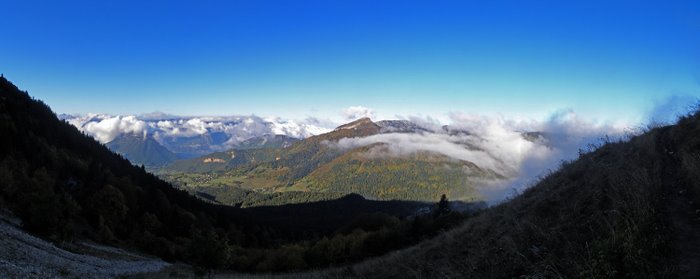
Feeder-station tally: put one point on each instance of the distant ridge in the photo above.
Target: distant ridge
(628, 209)
(142, 150)
(65, 186)
(364, 123)
(318, 166)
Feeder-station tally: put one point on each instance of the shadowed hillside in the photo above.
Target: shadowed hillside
(66, 187)
(625, 210)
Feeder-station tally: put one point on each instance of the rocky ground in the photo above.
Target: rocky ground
(25, 256)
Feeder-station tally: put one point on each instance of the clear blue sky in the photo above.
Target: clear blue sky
(298, 58)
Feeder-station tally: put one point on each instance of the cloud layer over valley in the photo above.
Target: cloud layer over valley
(210, 133)
(520, 151)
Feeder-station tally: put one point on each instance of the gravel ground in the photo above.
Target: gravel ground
(25, 256)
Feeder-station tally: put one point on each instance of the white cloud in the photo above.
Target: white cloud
(295, 129)
(357, 112)
(106, 128)
(460, 147)
(496, 144)
(235, 129)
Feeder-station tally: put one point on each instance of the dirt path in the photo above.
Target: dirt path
(681, 214)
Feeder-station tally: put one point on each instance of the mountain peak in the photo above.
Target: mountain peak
(357, 124)
(141, 149)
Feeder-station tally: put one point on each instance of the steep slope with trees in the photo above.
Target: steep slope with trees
(625, 210)
(422, 176)
(66, 187)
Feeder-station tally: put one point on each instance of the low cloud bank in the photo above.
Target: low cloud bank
(220, 132)
(561, 137)
(520, 151)
(105, 128)
(460, 147)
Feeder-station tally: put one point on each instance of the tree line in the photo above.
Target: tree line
(65, 186)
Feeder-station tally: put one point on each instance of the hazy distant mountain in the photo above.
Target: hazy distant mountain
(400, 126)
(252, 151)
(194, 145)
(142, 150)
(225, 160)
(267, 141)
(190, 137)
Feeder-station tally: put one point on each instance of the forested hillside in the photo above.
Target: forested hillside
(65, 186)
(626, 209)
(316, 169)
(421, 176)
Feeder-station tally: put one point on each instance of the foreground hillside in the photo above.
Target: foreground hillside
(25, 256)
(626, 210)
(65, 187)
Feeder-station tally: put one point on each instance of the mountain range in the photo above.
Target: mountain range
(386, 160)
(359, 157)
(190, 137)
(62, 185)
(626, 208)
(253, 166)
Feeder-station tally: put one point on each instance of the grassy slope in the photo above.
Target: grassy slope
(222, 161)
(313, 166)
(305, 156)
(625, 210)
(277, 169)
(267, 141)
(420, 176)
(282, 164)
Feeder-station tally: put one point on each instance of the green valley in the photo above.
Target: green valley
(316, 169)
